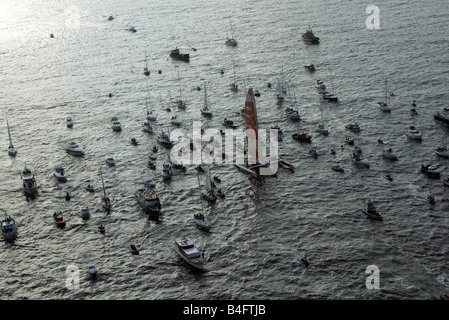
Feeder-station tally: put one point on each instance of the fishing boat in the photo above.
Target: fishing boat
(164, 139)
(11, 150)
(59, 219)
(115, 124)
(28, 182)
(431, 171)
(150, 115)
(69, 122)
(442, 116)
(389, 154)
(9, 228)
(105, 201)
(310, 37)
(384, 105)
(205, 111)
(60, 174)
(145, 69)
(149, 201)
(74, 149)
(186, 249)
(85, 213)
(320, 127)
(371, 211)
(413, 133)
(302, 137)
(177, 55)
(231, 41)
(329, 96)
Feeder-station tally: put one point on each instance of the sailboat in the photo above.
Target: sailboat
(234, 86)
(231, 41)
(200, 219)
(384, 105)
(320, 128)
(145, 70)
(206, 111)
(11, 150)
(105, 201)
(180, 103)
(150, 115)
(210, 195)
(252, 128)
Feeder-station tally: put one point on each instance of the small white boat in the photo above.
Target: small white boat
(147, 127)
(413, 133)
(431, 171)
(115, 124)
(175, 120)
(74, 149)
(320, 128)
(85, 214)
(371, 211)
(353, 126)
(186, 249)
(166, 171)
(292, 114)
(202, 221)
(442, 151)
(320, 85)
(310, 66)
(164, 139)
(110, 161)
(9, 229)
(359, 159)
(69, 122)
(60, 174)
(329, 96)
(389, 154)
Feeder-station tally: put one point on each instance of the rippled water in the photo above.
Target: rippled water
(261, 230)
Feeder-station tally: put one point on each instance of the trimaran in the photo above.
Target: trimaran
(252, 138)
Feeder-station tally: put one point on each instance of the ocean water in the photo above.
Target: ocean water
(261, 229)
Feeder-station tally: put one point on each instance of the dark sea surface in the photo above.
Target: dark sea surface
(261, 229)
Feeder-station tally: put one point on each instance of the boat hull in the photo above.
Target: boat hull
(197, 265)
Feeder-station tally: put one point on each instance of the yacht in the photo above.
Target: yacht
(186, 249)
(442, 151)
(60, 174)
(149, 201)
(431, 171)
(28, 182)
(74, 149)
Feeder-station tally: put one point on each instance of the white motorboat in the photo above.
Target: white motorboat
(371, 211)
(11, 150)
(85, 214)
(166, 171)
(186, 249)
(74, 149)
(175, 120)
(69, 122)
(431, 171)
(292, 114)
(110, 161)
(320, 85)
(115, 124)
(9, 228)
(164, 139)
(413, 133)
(320, 128)
(147, 127)
(353, 126)
(205, 111)
(60, 174)
(389, 154)
(202, 221)
(329, 96)
(28, 182)
(360, 160)
(442, 151)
